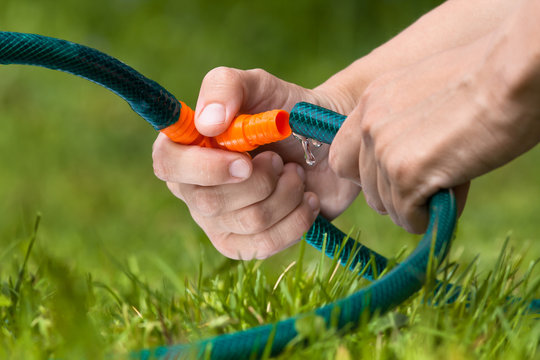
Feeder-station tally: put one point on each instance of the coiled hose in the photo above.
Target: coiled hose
(162, 110)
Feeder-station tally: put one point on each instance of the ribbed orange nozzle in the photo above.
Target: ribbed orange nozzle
(183, 131)
(245, 133)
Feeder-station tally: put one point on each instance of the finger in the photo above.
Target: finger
(176, 190)
(211, 201)
(226, 92)
(220, 98)
(196, 165)
(461, 192)
(258, 217)
(344, 151)
(385, 192)
(413, 214)
(369, 174)
(283, 234)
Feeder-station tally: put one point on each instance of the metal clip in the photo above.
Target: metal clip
(306, 146)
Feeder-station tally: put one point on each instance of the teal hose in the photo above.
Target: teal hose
(160, 108)
(380, 296)
(146, 97)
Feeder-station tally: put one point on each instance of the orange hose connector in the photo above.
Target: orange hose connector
(245, 133)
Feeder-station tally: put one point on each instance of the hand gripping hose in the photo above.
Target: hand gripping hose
(175, 119)
(146, 97)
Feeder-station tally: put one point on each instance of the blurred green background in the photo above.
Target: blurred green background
(77, 153)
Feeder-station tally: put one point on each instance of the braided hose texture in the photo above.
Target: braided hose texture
(161, 109)
(392, 289)
(146, 97)
(315, 122)
(395, 287)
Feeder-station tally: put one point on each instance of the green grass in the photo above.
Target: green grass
(116, 264)
(47, 310)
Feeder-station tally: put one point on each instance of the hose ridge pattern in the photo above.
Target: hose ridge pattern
(160, 108)
(392, 289)
(146, 97)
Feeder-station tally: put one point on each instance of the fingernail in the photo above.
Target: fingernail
(239, 169)
(277, 164)
(312, 202)
(301, 173)
(212, 114)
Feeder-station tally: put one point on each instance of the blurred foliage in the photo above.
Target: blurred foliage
(77, 153)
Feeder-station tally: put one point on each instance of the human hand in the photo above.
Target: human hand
(251, 207)
(441, 122)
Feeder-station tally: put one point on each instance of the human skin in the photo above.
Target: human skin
(253, 208)
(440, 123)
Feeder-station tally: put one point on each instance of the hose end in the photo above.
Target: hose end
(247, 132)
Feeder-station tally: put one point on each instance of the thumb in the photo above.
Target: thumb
(220, 99)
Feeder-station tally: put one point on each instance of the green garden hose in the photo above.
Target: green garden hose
(161, 109)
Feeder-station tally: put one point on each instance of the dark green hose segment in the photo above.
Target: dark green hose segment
(382, 295)
(146, 97)
(161, 109)
(315, 122)
(392, 289)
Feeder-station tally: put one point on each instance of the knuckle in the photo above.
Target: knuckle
(205, 200)
(157, 143)
(264, 78)
(380, 84)
(223, 246)
(380, 150)
(338, 163)
(375, 205)
(302, 220)
(202, 167)
(266, 247)
(366, 125)
(222, 74)
(259, 73)
(292, 180)
(398, 168)
(161, 171)
(409, 215)
(176, 190)
(271, 243)
(265, 187)
(406, 171)
(334, 160)
(373, 112)
(372, 122)
(398, 174)
(369, 93)
(256, 220)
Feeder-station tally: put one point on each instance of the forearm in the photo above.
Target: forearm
(512, 70)
(454, 23)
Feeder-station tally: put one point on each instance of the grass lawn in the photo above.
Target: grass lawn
(117, 263)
